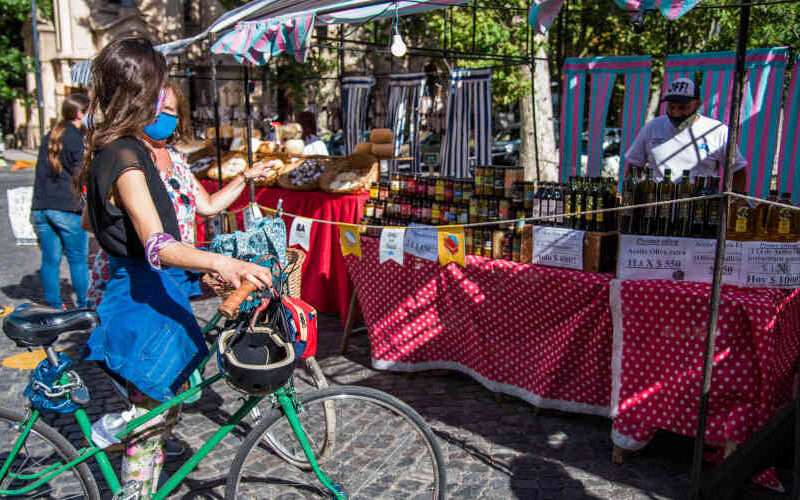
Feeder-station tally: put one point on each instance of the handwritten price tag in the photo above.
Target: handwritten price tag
(558, 247)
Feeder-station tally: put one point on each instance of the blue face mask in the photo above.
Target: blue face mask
(162, 128)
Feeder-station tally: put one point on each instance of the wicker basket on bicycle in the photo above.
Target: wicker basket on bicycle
(294, 271)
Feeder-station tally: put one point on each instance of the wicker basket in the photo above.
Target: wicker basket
(285, 179)
(295, 258)
(361, 177)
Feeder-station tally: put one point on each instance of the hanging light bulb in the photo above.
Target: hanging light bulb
(398, 47)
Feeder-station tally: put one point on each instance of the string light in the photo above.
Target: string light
(398, 47)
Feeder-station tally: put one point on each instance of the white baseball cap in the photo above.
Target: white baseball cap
(681, 90)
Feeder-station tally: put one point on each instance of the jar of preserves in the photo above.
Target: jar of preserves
(374, 191)
(411, 185)
(380, 208)
(467, 190)
(458, 190)
(422, 187)
(384, 191)
(394, 188)
(504, 209)
(449, 190)
(425, 218)
(430, 184)
(436, 212)
(440, 189)
(369, 209)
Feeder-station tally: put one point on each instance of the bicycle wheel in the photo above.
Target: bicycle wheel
(43, 448)
(289, 449)
(383, 449)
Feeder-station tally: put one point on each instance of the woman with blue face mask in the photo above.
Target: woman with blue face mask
(188, 196)
(56, 209)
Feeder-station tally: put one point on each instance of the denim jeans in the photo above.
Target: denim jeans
(60, 233)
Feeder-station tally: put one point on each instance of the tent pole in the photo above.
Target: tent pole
(711, 334)
(215, 94)
(248, 113)
(533, 105)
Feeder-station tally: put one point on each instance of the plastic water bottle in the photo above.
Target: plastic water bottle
(105, 430)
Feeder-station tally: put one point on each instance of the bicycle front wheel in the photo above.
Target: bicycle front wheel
(383, 449)
(43, 450)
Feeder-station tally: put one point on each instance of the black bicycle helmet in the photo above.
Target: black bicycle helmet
(258, 362)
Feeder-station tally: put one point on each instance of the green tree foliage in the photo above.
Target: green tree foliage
(13, 63)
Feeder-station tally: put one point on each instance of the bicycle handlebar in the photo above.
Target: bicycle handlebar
(230, 308)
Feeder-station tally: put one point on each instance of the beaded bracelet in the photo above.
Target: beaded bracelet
(155, 243)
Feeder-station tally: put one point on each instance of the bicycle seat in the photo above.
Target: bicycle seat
(36, 326)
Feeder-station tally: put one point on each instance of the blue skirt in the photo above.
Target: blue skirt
(148, 334)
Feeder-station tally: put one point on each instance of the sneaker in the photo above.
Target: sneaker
(174, 448)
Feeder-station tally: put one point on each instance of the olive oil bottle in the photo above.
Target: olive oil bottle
(666, 192)
(627, 222)
(699, 208)
(682, 223)
(646, 193)
(712, 210)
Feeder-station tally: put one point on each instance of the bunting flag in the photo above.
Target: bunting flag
(451, 245)
(761, 105)
(350, 240)
(542, 14)
(391, 245)
(300, 233)
(355, 97)
(258, 41)
(469, 117)
(789, 160)
(634, 112)
(405, 96)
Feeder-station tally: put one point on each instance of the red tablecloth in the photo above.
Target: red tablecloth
(541, 334)
(325, 282)
(659, 341)
(583, 342)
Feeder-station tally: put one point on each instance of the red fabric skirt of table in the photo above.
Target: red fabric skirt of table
(325, 282)
(585, 342)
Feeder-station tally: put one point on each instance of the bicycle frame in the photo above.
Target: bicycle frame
(284, 396)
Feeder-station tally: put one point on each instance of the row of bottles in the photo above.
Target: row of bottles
(764, 222)
(554, 203)
(698, 219)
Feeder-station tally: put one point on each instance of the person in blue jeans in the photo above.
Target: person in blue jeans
(56, 210)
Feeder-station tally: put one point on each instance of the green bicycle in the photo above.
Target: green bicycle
(382, 447)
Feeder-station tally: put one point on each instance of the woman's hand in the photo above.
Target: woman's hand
(257, 171)
(235, 271)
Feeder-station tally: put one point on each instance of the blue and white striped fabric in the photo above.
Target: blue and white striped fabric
(81, 72)
(469, 115)
(355, 97)
(401, 89)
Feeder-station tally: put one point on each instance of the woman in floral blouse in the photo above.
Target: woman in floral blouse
(189, 197)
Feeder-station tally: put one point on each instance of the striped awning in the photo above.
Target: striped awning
(543, 12)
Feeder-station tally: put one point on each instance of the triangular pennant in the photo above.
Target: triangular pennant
(391, 247)
(350, 240)
(300, 233)
(451, 245)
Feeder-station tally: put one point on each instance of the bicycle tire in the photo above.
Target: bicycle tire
(290, 450)
(11, 422)
(401, 431)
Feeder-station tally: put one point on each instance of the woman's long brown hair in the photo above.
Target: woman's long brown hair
(73, 104)
(127, 76)
(183, 132)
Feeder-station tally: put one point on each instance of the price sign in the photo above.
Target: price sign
(768, 264)
(652, 257)
(558, 247)
(700, 263)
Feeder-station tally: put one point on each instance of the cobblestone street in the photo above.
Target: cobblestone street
(493, 449)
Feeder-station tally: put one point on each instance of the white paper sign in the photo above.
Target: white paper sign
(558, 247)
(701, 256)
(652, 257)
(20, 201)
(391, 247)
(300, 234)
(767, 264)
(251, 214)
(422, 243)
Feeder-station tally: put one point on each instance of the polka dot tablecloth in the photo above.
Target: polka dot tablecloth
(539, 333)
(659, 342)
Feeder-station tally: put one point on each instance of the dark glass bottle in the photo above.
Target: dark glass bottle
(712, 212)
(628, 223)
(682, 222)
(569, 201)
(558, 200)
(699, 208)
(666, 192)
(647, 194)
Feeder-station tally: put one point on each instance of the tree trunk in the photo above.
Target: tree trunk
(547, 169)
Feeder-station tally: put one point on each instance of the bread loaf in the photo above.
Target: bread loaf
(362, 161)
(383, 150)
(381, 136)
(294, 146)
(363, 148)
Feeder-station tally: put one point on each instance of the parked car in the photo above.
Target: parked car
(505, 146)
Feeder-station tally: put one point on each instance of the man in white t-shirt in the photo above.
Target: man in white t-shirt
(683, 139)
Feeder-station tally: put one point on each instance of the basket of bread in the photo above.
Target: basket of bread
(233, 164)
(350, 175)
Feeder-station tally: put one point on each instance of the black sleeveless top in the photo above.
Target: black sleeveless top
(112, 226)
